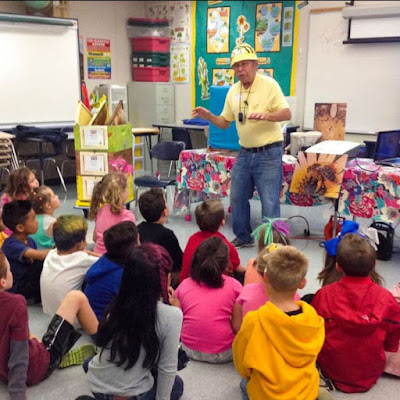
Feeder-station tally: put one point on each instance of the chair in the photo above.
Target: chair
(167, 151)
(8, 156)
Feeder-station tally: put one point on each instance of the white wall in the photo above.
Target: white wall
(302, 48)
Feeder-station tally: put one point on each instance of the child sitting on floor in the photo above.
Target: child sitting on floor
(277, 346)
(330, 274)
(210, 218)
(362, 319)
(270, 231)
(107, 206)
(254, 295)
(26, 360)
(21, 183)
(139, 335)
(154, 207)
(103, 279)
(65, 266)
(206, 300)
(44, 202)
(21, 251)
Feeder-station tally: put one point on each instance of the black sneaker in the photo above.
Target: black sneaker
(238, 244)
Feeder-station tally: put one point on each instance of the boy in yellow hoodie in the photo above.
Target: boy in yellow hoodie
(277, 346)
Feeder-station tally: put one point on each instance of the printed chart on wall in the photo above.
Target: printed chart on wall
(98, 53)
(221, 25)
(178, 15)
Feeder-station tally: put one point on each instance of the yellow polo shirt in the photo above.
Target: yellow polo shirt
(265, 96)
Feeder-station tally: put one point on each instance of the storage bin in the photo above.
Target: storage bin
(150, 59)
(150, 44)
(150, 74)
(147, 27)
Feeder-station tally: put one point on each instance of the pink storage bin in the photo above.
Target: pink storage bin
(150, 74)
(149, 43)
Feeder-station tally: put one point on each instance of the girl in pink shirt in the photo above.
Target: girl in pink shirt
(107, 206)
(273, 230)
(207, 299)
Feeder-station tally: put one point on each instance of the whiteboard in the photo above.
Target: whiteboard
(39, 73)
(365, 76)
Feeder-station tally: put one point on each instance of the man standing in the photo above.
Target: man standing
(258, 105)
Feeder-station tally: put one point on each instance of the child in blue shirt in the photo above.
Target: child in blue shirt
(21, 251)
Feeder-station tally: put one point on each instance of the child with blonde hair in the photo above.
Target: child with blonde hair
(277, 346)
(107, 206)
(273, 230)
(44, 202)
(21, 183)
(254, 295)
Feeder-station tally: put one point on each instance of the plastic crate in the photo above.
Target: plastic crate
(150, 59)
(150, 44)
(150, 74)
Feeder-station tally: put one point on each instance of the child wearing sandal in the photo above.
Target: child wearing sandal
(23, 358)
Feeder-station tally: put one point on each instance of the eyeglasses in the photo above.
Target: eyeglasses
(241, 64)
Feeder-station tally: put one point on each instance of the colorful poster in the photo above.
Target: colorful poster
(330, 119)
(287, 26)
(180, 61)
(267, 35)
(223, 77)
(266, 71)
(178, 14)
(98, 52)
(218, 30)
(318, 174)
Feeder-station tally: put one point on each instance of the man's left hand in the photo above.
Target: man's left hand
(258, 116)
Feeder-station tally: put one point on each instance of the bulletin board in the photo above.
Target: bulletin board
(268, 26)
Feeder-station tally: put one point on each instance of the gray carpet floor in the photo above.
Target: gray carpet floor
(205, 381)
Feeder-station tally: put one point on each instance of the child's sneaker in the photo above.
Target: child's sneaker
(78, 356)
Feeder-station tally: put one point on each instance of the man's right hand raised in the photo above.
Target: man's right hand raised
(201, 112)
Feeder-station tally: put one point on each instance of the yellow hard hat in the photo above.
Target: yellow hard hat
(243, 52)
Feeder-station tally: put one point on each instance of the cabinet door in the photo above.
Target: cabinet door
(165, 94)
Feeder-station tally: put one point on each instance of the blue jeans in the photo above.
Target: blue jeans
(176, 393)
(264, 171)
(243, 388)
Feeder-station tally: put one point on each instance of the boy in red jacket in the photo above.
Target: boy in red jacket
(210, 217)
(362, 320)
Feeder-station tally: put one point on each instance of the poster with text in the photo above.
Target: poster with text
(180, 61)
(266, 71)
(268, 27)
(98, 52)
(218, 30)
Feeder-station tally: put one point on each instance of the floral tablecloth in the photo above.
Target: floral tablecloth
(368, 190)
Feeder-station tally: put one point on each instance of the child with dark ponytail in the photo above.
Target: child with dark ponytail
(207, 299)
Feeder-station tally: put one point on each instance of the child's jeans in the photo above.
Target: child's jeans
(243, 387)
(176, 393)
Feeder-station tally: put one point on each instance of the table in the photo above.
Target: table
(147, 133)
(187, 128)
(368, 190)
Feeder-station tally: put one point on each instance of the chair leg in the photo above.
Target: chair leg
(170, 168)
(136, 195)
(61, 178)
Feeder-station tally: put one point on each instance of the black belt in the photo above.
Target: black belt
(262, 148)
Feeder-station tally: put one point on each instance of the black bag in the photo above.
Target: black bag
(385, 234)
